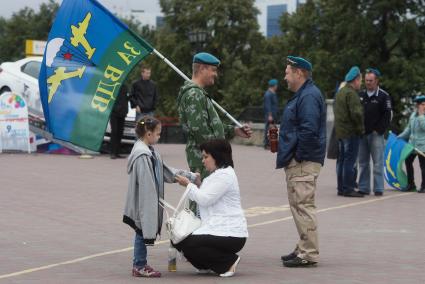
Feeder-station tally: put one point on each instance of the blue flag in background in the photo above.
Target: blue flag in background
(396, 152)
(88, 55)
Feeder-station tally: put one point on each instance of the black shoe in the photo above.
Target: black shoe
(353, 194)
(113, 157)
(410, 187)
(298, 262)
(362, 192)
(422, 190)
(287, 257)
(340, 193)
(379, 193)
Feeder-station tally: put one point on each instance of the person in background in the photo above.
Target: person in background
(144, 94)
(414, 133)
(117, 121)
(349, 127)
(377, 117)
(271, 106)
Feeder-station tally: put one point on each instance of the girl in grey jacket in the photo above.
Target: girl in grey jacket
(147, 174)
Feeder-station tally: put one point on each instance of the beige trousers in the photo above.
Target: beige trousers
(301, 184)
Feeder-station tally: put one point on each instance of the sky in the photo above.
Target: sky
(151, 8)
(123, 7)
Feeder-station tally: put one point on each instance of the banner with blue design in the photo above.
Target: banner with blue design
(396, 152)
(88, 55)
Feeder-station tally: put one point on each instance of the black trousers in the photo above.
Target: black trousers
(117, 127)
(211, 252)
(410, 172)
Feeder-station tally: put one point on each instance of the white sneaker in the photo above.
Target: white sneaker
(232, 269)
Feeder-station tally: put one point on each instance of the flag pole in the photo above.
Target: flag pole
(238, 124)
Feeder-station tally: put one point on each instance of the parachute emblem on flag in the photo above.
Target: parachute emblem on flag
(64, 55)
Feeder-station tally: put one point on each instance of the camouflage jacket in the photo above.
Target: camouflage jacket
(348, 112)
(200, 122)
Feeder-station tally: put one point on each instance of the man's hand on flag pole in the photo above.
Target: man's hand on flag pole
(245, 131)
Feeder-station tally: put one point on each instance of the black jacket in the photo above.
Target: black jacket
(377, 111)
(144, 94)
(121, 103)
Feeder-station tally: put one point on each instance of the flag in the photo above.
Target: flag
(396, 151)
(88, 55)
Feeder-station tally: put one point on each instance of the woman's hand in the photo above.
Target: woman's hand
(184, 181)
(198, 179)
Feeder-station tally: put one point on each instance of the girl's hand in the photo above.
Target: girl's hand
(184, 181)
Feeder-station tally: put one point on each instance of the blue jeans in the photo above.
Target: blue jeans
(355, 169)
(371, 145)
(348, 151)
(140, 252)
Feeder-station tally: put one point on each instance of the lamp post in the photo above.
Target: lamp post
(197, 39)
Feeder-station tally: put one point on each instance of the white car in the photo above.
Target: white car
(21, 77)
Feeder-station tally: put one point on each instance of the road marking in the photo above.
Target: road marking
(253, 209)
(257, 211)
(333, 208)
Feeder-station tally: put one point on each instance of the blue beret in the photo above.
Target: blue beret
(273, 82)
(374, 71)
(299, 62)
(420, 99)
(206, 58)
(352, 74)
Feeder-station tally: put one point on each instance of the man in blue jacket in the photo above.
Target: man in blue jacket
(302, 143)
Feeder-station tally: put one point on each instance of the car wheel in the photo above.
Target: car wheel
(4, 89)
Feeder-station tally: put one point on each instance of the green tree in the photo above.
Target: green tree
(232, 35)
(23, 25)
(337, 34)
(145, 32)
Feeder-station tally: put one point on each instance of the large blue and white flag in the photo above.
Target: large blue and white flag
(88, 55)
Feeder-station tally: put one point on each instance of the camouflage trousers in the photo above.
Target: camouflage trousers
(301, 185)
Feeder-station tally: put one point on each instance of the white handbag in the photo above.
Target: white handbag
(182, 222)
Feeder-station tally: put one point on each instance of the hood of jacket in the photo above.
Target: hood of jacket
(139, 148)
(186, 86)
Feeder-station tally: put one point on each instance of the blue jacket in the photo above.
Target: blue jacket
(302, 133)
(271, 104)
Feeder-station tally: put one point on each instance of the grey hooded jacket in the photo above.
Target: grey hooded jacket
(142, 210)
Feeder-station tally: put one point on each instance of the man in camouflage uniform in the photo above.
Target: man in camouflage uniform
(349, 127)
(197, 114)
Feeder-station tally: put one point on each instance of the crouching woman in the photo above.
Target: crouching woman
(223, 233)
